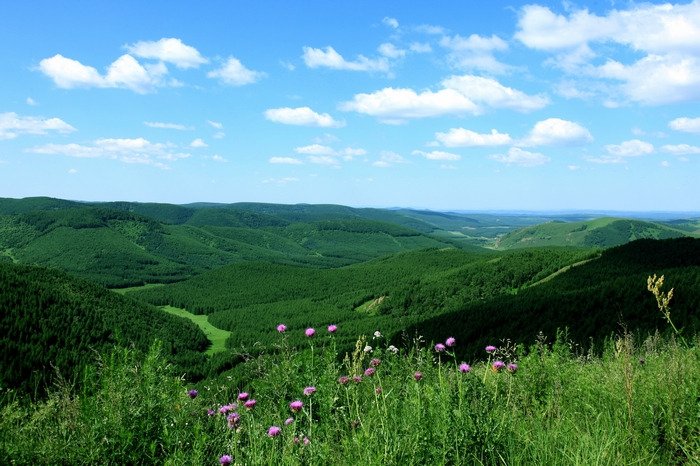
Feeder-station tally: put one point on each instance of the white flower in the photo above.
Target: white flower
(368, 349)
(393, 349)
(377, 334)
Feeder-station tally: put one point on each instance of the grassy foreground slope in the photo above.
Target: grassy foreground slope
(49, 319)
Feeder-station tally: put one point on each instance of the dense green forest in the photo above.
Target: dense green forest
(591, 300)
(51, 320)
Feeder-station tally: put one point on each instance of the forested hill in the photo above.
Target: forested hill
(118, 248)
(590, 300)
(49, 319)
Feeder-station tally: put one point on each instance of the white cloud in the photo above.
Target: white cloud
(31, 101)
(315, 149)
(437, 155)
(72, 171)
(302, 116)
(323, 159)
(521, 158)
(328, 153)
(168, 50)
(215, 124)
(286, 160)
(287, 65)
(126, 150)
(381, 164)
(475, 52)
(556, 132)
(329, 58)
(619, 152)
(216, 158)
(167, 126)
(198, 143)
(460, 137)
(12, 125)
(390, 50)
(493, 94)
(687, 125)
(681, 149)
(391, 22)
(387, 157)
(280, 182)
(429, 29)
(420, 47)
(219, 135)
(124, 73)
(233, 72)
(326, 138)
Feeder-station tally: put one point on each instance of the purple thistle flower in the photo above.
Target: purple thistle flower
(250, 404)
(243, 396)
(306, 441)
(281, 328)
(417, 375)
(225, 409)
(308, 391)
(642, 361)
(357, 379)
(343, 380)
(439, 348)
(225, 460)
(288, 421)
(375, 362)
(296, 440)
(296, 406)
(355, 423)
(490, 349)
(192, 394)
(211, 412)
(332, 328)
(450, 342)
(498, 365)
(512, 367)
(378, 390)
(234, 420)
(274, 431)
(369, 371)
(310, 332)
(464, 368)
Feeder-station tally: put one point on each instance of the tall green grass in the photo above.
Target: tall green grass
(637, 403)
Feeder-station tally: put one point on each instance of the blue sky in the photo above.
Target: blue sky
(444, 105)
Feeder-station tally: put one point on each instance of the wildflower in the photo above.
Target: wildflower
(369, 371)
(310, 332)
(368, 349)
(210, 412)
(281, 328)
(375, 362)
(417, 375)
(296, 439)
(498, 365)
(377, 334)
(250, 404)
(332, 328)
(642, 361)
(306, 441)
(490, 349)
(343, 380)
(243, 396)
(226, 408)
(192, 393)
(378, 390)
(225, 460)
(512, 367)
(439, 348)
(296, 406)
(308, 391)
(288, 421)
(274, 431)
(357, 379)
(393, 349)
(234, 420)
(464, 368)
(355, 423)
(450, 342)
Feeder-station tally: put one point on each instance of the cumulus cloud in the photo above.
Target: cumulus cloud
(323, 160)
(556, 132)
(326, 155)
(681, 149)
(687, 125)
(475, 52)
(329, 58)
(233, 73)
(198, 143)
(286, 160)
(522, 158)
(437, 155)
(619, 152)
(391, 22)
(12, 125)
(302, 116)
(460, 137)
(167, 126)
(216, 158)
(215, 124)
(168, 50)
(419, 47)
(387, 157)
(315, 149)
(124, 73)
(430, 29)
(137, 150)
(390, 50)
(460, 95)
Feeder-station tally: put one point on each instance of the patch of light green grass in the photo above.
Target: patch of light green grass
(215, 335)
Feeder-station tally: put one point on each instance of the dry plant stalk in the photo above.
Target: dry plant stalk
(662, 301)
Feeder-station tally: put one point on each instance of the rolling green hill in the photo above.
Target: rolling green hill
(49, 319)
(602, 233)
